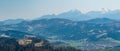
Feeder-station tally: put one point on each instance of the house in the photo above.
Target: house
(39, 44)
(25, 42)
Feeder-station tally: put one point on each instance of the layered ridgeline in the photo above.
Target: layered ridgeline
(76, 15)
(81, 34)
(63, 29)
(11, 21)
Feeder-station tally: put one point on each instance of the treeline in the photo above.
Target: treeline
(11, 44)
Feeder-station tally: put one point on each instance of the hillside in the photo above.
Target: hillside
(80, 34)
(7, 43)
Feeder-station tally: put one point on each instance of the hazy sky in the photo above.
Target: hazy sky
(30, 9)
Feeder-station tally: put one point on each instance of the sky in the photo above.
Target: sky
(31, 9)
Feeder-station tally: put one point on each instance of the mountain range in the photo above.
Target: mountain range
(76, 15)
(89, 33)
(92, 30)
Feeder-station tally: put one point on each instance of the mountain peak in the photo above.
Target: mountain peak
(71, 12)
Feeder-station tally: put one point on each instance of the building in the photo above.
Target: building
(25, 42)
(39, 44)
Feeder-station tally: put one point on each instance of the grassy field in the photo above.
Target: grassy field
(67, 42)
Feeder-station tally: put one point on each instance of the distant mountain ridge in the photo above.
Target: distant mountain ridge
(11, 21)
(101, 20)
(76, 15)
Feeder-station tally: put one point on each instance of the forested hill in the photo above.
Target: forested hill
(12, 44)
